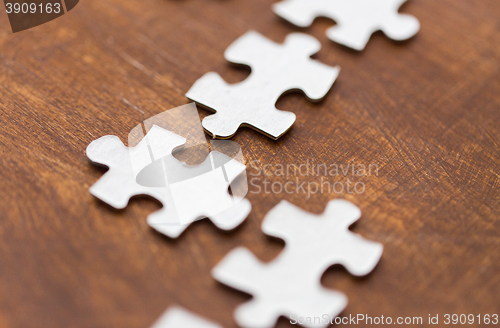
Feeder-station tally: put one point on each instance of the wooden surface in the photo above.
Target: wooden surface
(425, 111)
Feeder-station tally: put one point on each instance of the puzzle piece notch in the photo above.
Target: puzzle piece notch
(184, 202)
(177, 317)
(290, 284)
(185, 122)
(276, 69)
(356, 20)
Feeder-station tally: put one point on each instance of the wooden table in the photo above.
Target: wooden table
(426, 112)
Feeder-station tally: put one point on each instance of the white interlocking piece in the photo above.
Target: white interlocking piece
(290, 284)
(276, 69)
(177, 317)
(187, 193)
(356, 20)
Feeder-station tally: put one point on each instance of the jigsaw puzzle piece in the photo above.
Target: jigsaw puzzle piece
(290, 284)
(118, 184)
(177, 317)
(237, 105)
(356, 20)
(296, 227)
(110, 152)
(276, 69)
(186, 192)
(277, 290)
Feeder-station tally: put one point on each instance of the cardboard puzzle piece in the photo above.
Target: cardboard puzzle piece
(276, 69)
(290, 284)
(187, 193)
(356, 20)
(177, 317)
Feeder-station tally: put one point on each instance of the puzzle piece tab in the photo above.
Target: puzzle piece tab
(290, 284)
(187, 192)
(356, 20)
(276, 69)
(177, 317)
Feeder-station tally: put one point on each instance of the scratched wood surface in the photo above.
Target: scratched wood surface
(426, 112)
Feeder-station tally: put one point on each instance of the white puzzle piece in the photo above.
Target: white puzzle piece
(290, 284)
(276, 69)
(177, 317)
(187, 192)
(356, 20)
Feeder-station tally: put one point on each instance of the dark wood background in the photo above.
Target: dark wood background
(426, 111)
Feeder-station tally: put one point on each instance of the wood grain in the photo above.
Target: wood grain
(425, 111)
